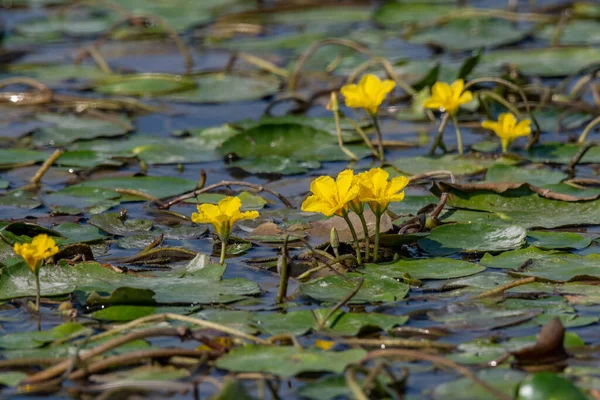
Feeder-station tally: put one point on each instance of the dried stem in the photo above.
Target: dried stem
(588, 129)
(439, 139)
(134, 358)
(578, 156)
(208, 188)
(354, 237)
(501, 289)
(284, 273)
(294, 75)
(350, 376)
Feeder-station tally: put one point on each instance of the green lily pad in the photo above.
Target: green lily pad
(582, 32)
(275, 165)
(461, 317)
(537, 177)
(374, 289)
(137, 240)
(86, 159)
(430, 268)
(123, 313)
(557, 240)
(562, 153)
(287, 361)
(68, 128)
(221, 88)
(145, 84)
(14, 157)
(113, 224)
(475, 237)
(472, 33)
(301, 322)
(548, 386)
(79, 233)
(293, 141)
(563, 268)
(236, 319)
(250, 201)
(156, 186)
(198, 282)
(458, 165)
(12, 378)
(542, 62)
(33, 339)
(504, 380)
(514, 259)
(395, 13)
(20, 199)
(524, 207)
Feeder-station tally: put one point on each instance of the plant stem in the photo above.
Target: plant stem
(283, 273)
(366, 231)
(223, 249)
(353, 232)
(458, 136)
(376, 245)
(379, 138)
(37, 291)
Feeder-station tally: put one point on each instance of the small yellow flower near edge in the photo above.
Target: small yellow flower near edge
(40, 248)
(368, 94)
(508, 129)
(447, 97)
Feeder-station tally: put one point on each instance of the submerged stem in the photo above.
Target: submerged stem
(354, 237)
(37, 291)
(223, 249)
(379, 138)
(363, 221)
(376, 245)
(458, 135)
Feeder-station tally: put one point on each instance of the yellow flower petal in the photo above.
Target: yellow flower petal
(222, 216)
(40, 248)
(507, 128)
(368, 94)
(448, 97)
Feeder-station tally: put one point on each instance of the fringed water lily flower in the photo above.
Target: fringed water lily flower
(379, 191)
(222, 217)
(448, 98)
(40, 248)
(508, 129)
(368, 94)
(333, 197)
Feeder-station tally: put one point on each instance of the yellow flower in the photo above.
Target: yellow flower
(331, 197)
(40, 248)
(368, 94)
(223, 215)
(448, 98)
(378, 191)
(508, 129)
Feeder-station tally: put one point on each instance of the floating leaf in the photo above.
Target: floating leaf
(156, 186)
(145, 84)
(538, 177)
(468, 33)
(504, 380)
(374, 289)
(113, 223)
(287, 361)
(33, 339)
(458, 165)
(548, 386)
(475, 237)
(557, 240)
(430, 268)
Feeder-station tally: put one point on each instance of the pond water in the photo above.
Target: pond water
(138, 131)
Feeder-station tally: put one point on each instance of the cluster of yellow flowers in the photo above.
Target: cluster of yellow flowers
(352, 192)
(370, 92)
(449, 98)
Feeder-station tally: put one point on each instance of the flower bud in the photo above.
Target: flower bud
(333, 104)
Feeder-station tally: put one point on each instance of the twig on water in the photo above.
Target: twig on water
(258, 188)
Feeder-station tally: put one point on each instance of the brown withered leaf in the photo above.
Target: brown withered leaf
(548, 353)
(320, 229)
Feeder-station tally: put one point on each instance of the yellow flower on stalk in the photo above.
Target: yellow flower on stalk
(40, 248)
(331, 197)
(508, 129)
(222, 216)
(368, 94)
(378, 191)
(448, 98)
